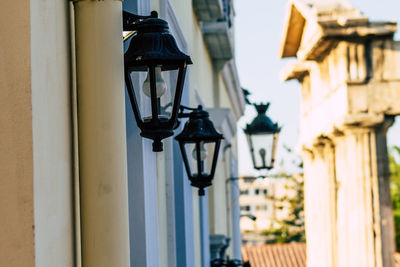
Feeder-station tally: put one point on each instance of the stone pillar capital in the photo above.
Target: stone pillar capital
(318, 146)
(363, 124)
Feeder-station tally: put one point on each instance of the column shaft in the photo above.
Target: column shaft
(102, 134)
(364, 206)
(320, 206)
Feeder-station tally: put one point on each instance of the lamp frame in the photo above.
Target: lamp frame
(262, 125)
(153, 46)
(199, 128)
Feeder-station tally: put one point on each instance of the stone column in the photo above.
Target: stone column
(363, 197)
(102, 134)
(320, 207)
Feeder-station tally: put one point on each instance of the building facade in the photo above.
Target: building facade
(347, 66)
(263, 204)
(79, 186)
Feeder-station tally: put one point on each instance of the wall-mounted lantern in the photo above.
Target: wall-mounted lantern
(152, 62)
(262, 135)
(199, 143)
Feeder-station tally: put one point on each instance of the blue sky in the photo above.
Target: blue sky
(258, 33)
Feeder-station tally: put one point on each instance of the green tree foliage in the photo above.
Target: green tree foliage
(290, 229)
(394, 165)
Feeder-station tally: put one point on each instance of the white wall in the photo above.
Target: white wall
(52, 133)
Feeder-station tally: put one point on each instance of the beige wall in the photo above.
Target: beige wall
(207, 83)
(201, 72)
(36, 170)
(223, 97)
(16, 161)
(201, 83)
(211, 90)
(200, 80)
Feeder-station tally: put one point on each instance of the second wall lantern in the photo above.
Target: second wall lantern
(199, 143)
(155, 71)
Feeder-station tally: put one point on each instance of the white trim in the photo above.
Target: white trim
(142, 201)
(182, 242)
(231, 80)
(204, 230)
(235, 207)
(50, 149)
(142, 186)
(198, 98)
(166, 204)
(224, 121)
(175, 27)
(143, 6)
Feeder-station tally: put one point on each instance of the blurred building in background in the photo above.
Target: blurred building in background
(264, 203)
(349, 70)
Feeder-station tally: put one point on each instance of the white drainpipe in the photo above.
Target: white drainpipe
(101, 133)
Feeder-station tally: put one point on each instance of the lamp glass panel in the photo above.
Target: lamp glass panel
(206, 157)
(262, 145)
(166, 82)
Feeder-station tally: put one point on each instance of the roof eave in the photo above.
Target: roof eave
(291, 35)
(328, 37)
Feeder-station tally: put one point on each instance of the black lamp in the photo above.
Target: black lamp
(262, 135)
(199, 143)
(153, 62)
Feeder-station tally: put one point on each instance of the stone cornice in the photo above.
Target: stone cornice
(309, 29)
(329, 34)
(350, 123)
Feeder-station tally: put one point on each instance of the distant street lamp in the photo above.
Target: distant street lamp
(152, 58)
(262, 135)
(199, 143)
